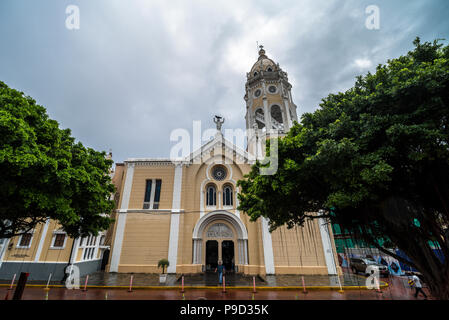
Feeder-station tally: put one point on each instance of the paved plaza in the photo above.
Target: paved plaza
(115, 286)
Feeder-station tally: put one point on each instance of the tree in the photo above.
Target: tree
(46, 174)
(163, 263)
(375, 159)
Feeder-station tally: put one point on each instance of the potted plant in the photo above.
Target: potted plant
(163, 263)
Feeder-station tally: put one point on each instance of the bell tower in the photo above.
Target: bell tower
(269, 105)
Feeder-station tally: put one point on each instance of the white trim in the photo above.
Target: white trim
(173, 243)
(37, 257)
(287, 111)
(2, 253)
(128, 186)
(327, 246)
(18, 246)
(207, 220)
(121, 221)
(64, 262)
(216, 215)
(97, 245)
(267, 247)
(153, 192)
(174, 220)
(201, 152)
(237, 203)
(53, 239)
(75, 250)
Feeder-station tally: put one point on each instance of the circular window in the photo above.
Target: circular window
(219, 173)
(257, 93)
(272, 89)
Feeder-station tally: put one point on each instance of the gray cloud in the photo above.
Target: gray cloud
(137, 70)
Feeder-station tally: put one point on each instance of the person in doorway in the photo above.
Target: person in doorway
(418, 286)
(221, 269)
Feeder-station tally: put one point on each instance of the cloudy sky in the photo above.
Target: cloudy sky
(135, 70)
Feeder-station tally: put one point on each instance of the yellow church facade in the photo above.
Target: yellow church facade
(186, 210)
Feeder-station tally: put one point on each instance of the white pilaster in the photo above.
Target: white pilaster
(201, 202)
(237, 203)
(76, 246)
(245, 251)
(41, 241)
(121, 220)
(153, 192)
(267, 247)
(97, 245)
(327, 246)
(3, 250)
(174, 220)
(287, 111)
(267, 115)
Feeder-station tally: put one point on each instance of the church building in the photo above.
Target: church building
(186, 211)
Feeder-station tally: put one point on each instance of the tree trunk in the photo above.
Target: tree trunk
(439, 288)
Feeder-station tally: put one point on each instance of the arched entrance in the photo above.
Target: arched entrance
(219, 238)
(220, 235)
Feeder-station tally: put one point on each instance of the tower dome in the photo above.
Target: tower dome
(263, 63)
(270, 110)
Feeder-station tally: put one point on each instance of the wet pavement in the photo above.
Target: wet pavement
(238, 287)
(396, 290)
(211, 279)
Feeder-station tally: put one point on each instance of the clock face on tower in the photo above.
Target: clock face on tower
(272, 89)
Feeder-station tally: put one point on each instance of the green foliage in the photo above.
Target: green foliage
(377, 155)
(45, 173)
(163, 263)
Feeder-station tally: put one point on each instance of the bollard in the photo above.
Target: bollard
(254, 284)
(10, 287)
(46, 290)
(131, 284)
(224, 284)
(12, 282)
(48, 282)
(378, 286)
(182, 284)
(303, 285)
(85, 283)
(339, 283)
(106, 296)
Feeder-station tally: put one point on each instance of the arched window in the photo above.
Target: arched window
(227, 196)
(269, 69)
(276, 113)
(211, 195)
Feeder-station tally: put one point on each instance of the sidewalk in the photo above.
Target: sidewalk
(142, 280)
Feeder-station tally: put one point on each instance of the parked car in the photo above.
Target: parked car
(361, 264)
